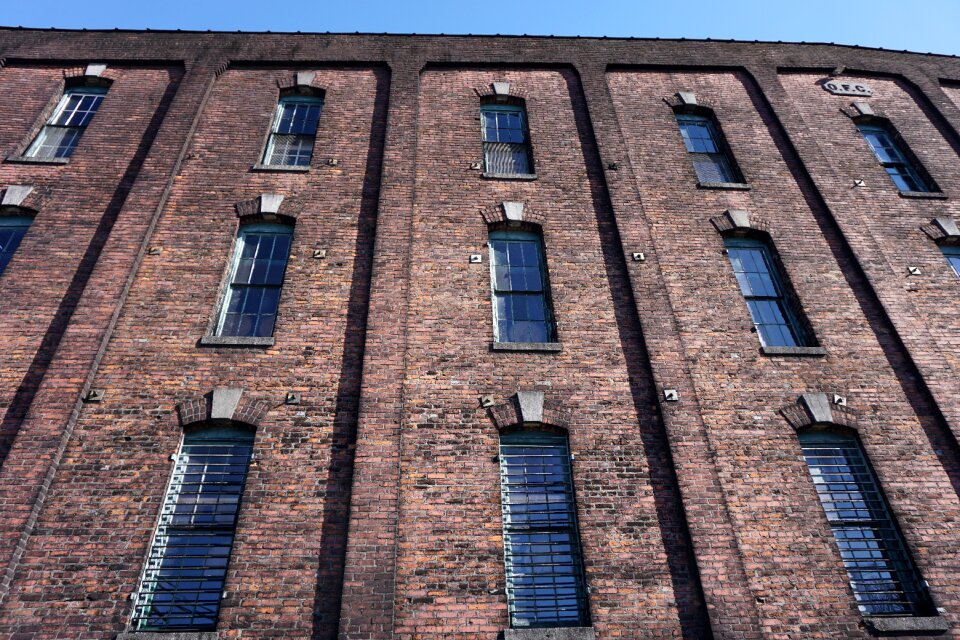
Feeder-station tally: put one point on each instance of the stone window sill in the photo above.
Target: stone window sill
(169, 635)
(556, 633)
(282, 168)
(545, 347)
(907, 625)
(793, 351)
(924, 195)
(236, 341)
(509, 176)
(28, 160)
(730, 186)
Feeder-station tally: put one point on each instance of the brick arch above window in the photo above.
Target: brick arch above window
(502, 91)
(508, 212)
(20, 200)
(942, 230)
(223, 403)
(690, 102)
(265, 208)
(301, 83)
(526, 407)
(95, 74)
(820, 408)
(733, 220)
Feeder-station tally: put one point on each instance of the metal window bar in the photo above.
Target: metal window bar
(182, 584)
(893, 159)
(61, 135)
(12, 230)
(544, 569)
(702, 140)
(294, 131)
(518, 270)
(260, 261)
(882, 574)
(950, 252)
(764, 292)
(506, 140)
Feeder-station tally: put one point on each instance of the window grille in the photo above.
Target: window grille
(60, 136)
(707, 149)
(294, 131)
(882, 574)
(506, 140)
(183, 581)
(12, 230)
(260, 261)
(765, 293)
(521, 305)
(893, 158)
(950, 252)
(545, 583)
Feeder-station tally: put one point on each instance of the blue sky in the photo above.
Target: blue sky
(917, 25)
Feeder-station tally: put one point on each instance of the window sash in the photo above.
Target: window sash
(506, 140)
(183, 580)
(893, 159)
(951, 253)
(12, 230)
(521, 306)
(542, 556)
(252, 299)
(711, 161)
(62, 132)
(293, 131)
(881, 572)
(764, 292)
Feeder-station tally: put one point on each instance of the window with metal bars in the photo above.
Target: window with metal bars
(950, 251)
(544, 569)
(182, 583)
(522, 310)
(775, 318)
(253, 297)
(506, 140)
(294, 131)
(12, 230)
(62, 133)
(895, 158)
(711, 156)
(883, 576)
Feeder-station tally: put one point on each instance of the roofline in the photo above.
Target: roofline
(476, 35)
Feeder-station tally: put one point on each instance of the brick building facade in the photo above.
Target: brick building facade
(380, 406)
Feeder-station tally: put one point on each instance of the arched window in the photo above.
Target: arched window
(293, 131)
(183, 580)
(62, 133)
(506, 140)
(250, 305)
(712, 159)
(883, 576)
(772, 305)
(895, 157)
(12, 230)
(521, 297)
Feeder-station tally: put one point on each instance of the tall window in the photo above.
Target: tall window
(60, 136)
(12, 230)
(895, 158)
(545, 584)
(260, 260)
(882, 574)
(765, 293)
(950, 251)
(506, 139)
(183, 581)
(294, 131)
(711, 158)
(521, 302)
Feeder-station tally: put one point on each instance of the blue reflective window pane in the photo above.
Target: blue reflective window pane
(893, 158)
(254, 295)
(952, 254)
(506, 144)
(61, 135)
(518, 272)
(702, 141)
(12, 230)
(294, 131)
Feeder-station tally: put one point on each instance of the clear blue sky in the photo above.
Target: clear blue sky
(917, 25)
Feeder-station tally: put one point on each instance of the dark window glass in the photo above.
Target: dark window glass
(260, 260)
(183, 580)
(294, 131)
(506, 142)
(882, 574)
(707, 150)
(60, 136)
(12, 230)
(545, 584)
(894, 160)
(951, 252)
(521, 305)
(764, 291)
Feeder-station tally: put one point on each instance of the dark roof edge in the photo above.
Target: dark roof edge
(478, 35)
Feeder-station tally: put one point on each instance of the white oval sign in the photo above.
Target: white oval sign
(842, 88)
